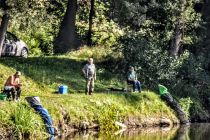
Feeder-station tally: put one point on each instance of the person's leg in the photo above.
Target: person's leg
(91, 86)
(13, 92)
(8, 93)
(87, 88)
(134, 85)
(138, 86)
(131, 83)
(18, 90)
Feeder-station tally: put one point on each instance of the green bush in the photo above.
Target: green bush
(22, 120)
(99, 53)
(105, 32)
(186, 104)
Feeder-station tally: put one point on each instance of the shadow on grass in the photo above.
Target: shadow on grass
(132, 98)
(50, 71)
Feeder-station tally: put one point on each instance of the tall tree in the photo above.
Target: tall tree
(89, 35)
(177, 39)
(4, 23)
(3, 30)
(66, 40)
(165, 21)
(206, 14)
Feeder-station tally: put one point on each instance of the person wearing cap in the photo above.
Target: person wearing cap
(13, 87)
(89, 71)
(132, 79)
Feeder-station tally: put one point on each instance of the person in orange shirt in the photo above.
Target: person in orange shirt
(13, 86)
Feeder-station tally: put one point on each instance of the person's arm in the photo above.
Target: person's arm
(136, 77)
(84, 71)
(95, 73)
(128, 77)
(13, 82)
(18, 82)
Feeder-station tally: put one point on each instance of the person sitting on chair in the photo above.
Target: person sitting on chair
(12, 87)
(132, 79)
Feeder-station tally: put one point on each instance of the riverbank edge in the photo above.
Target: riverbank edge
(132, 122)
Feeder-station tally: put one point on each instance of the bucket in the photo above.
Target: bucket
(62, 89)
(3, 97)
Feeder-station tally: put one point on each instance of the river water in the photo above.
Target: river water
(192, 132)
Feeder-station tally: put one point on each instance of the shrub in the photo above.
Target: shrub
(186, 104)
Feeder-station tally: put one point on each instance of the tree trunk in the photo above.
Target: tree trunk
(206, 15)
(3, 30)
(89, 35)
(177, 39)
(66, 40)
(176, 42)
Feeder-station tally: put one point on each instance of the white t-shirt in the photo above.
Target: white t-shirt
(89, 70)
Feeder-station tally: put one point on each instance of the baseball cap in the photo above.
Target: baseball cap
(18, 73)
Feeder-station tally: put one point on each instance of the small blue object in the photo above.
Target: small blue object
(63, 89)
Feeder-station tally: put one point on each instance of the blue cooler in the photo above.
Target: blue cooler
(62, 89)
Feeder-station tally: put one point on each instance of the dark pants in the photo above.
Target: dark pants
(14, 92)
(89, 86)
(136, 85)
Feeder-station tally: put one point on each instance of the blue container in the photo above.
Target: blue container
(62, 89)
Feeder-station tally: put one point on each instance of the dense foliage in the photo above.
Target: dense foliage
(147, 46)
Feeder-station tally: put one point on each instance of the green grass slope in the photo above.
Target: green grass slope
(42, 76)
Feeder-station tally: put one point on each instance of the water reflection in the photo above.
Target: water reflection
(184, 132)
(199, 132)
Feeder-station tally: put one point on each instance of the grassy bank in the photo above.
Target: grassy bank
(42, 76)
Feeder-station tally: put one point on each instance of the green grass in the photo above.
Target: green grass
(42, 76)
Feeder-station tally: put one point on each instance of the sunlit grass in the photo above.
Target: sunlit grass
(42, 76)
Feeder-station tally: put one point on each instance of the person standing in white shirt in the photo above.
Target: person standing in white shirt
(89, 71)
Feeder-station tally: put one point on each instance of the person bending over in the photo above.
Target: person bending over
(12, 87)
